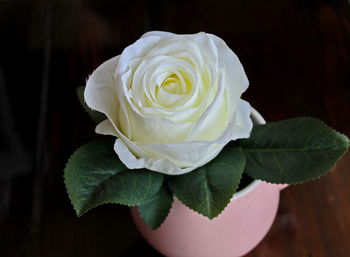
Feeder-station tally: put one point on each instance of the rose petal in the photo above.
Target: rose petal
(233, 67)
(243, 124)
(156, 129)
(176, 158)
(106, 128)
(159, 165)
(173, 159)
(100, 92)
(215, 118)
(162, 34)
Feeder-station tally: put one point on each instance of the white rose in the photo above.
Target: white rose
(172, 100)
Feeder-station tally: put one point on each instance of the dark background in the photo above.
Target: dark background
(296, 55)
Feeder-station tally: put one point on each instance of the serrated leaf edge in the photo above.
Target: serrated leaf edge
(80, 213)
(309, 118)
(65, 176)
(303, 182)
(166, 216)
(322, 175)
(223, 209)
(96, 190)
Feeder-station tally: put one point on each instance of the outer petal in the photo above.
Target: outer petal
(243, 124)
(162, 34)
(132, 162)
(230, 62)
(100, 92)
(106, 128)
(172, 159)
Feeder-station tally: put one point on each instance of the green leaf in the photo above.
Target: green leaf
(292, 151)
(155, 210)
(95, 115)
(210, 188)
(94, 175)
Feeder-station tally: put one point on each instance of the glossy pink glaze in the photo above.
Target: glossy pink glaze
(235, 232)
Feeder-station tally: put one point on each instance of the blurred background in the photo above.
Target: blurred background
(296, 54)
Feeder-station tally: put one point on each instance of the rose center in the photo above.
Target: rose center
(175, 85)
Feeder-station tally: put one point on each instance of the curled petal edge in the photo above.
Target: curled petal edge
(128, 151)
(244, 124)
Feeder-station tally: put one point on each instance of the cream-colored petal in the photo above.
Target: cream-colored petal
(100, 92)
(215, 118)
(243, 124)
(133, 55)
(162, 34)
(126, 156)
(106, 128)
(172, 159)
(235, 75)
(156, 129)
(160, 165)
(183, 157)
(190, 154)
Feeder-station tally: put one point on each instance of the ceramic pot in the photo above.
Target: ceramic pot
(235, 232)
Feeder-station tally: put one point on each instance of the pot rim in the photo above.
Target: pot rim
(246, 190)
(257, 118)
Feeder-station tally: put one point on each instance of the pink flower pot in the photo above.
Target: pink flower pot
(235, 232)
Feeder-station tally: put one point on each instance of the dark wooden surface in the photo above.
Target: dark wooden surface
(297, 58)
